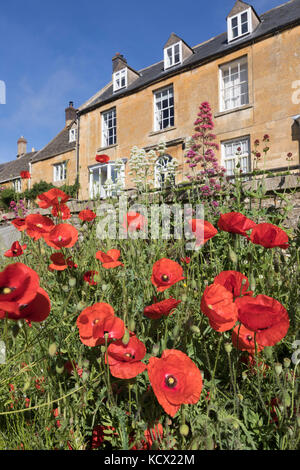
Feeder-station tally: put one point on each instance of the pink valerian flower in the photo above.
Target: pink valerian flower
(201, 158)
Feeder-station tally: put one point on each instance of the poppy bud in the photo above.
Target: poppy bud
(278, 368)
(195, 329)
(155, 349)
(52, 349)
(286, 362)
(228, 347)
(59, 370)
(126, 337)
(240, 396)
(244, 375)
(104, 287)
(232, 255)
(184, 430)
(103, 349)
(252, 282)
(72, 282)
(132, 325)
(268, 352)
(65, 288)
(286, 399)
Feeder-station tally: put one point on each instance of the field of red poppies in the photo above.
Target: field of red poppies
(139, 343)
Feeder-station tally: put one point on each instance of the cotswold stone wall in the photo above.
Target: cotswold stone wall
(279, 192)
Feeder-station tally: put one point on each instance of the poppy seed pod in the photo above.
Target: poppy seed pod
(184, 430)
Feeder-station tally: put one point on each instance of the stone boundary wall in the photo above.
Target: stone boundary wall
(289, 185)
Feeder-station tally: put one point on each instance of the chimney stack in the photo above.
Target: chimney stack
(22, 143)
(118, 62)
(70, 113)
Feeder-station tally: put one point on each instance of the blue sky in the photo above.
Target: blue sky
(60, 51)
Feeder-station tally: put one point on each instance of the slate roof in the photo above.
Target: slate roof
(60, 144)
(11, 170)
(273, 20)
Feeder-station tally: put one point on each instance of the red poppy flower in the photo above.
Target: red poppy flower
(165, 273)
(53, 197)
(235, 222)
(186, 260)
(37, 226)
(15, 250)
(235, 282)
(87, 215)
(151, 434)
(203, 230)
(89, 277)
(59, 263)
(96, 321)
(25, 175)
(38, 309)
(18, 286)
(265, 316)
(102, 158)
(175, 380)
(109, 259)
(134, 221)
(71, 367)
(217, 304)
(157, 310)
(243, 339)
(62, 236)
(125, 360)
(98, 435)
(269, 236)
(19, 223)
(62, 211)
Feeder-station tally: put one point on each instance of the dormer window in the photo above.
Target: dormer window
(173, 55)
(72, 135)
(239, 25)
(120, 79)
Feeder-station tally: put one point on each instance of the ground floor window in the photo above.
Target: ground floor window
(60, 171)
(106, 179)
(234, 152)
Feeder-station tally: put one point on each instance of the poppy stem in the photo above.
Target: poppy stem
(217, 357)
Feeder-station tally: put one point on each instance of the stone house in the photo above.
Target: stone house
(249, 74)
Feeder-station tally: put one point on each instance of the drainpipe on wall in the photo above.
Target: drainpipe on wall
(30, 170)
(77, 151)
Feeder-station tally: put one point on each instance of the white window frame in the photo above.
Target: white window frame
(17, 185)
(169, 60)
(245, 156)
(60, 171)
(120, 79)
(158, 117)
(107, 137)
(72, 135)
(161, 171)
(101, 190)
(222, 88)
(238, 17)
